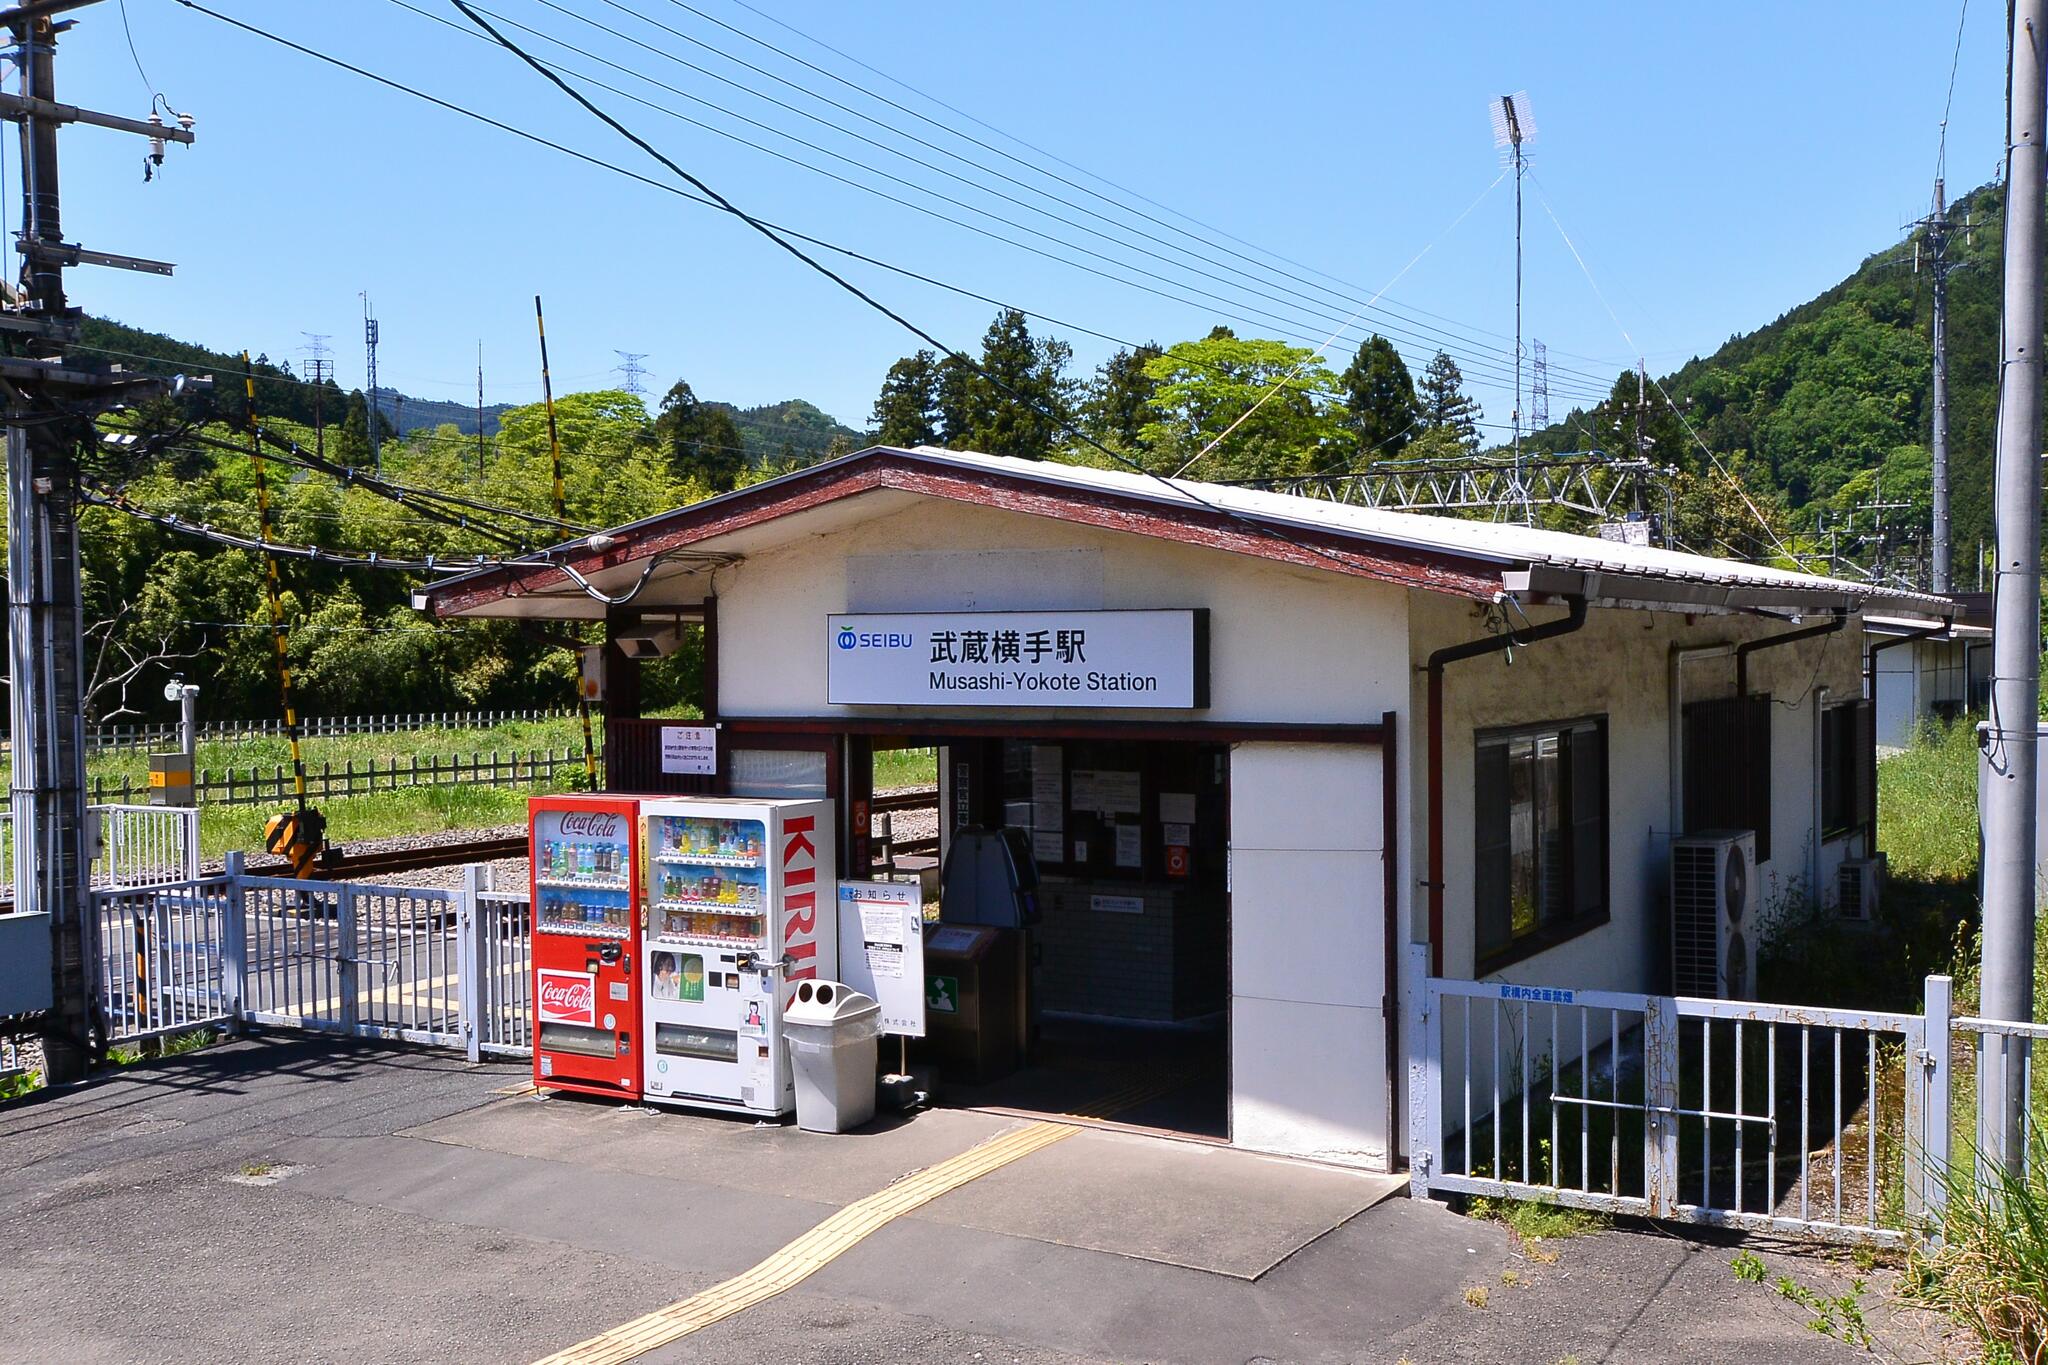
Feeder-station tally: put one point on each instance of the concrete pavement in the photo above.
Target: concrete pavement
(301, 1198)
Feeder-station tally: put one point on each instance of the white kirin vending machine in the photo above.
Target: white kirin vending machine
(738, 899)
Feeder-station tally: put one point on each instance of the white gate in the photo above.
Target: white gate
(1817, 1121)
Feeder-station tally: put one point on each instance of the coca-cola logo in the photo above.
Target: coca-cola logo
(568, 998)
(590, 824)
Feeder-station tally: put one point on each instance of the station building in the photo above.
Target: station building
(1258, 743)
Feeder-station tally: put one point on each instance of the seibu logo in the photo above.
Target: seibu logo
(799, 901)
(567, 998)
(590, 824)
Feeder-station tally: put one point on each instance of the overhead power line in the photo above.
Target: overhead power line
(1482, 363)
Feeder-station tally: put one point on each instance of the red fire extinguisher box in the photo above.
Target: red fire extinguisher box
(584, 852)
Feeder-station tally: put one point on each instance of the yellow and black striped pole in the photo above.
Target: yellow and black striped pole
(547, 393)
(299, 834)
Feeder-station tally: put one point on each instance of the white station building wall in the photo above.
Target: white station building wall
(1624, 665)
(1308, 1040)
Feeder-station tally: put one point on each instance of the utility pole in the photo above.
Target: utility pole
(2011, 737)
(49, 403)
(479, 408)
(1937, 228)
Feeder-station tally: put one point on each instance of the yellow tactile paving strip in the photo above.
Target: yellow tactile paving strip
(789, 1266)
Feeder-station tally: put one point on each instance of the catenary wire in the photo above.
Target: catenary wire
(1483, 363)
(1180, 490)
(914, 138)
(1658, 385)
(1083, 170)
(651, 182)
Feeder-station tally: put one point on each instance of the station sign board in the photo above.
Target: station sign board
(1150, 660)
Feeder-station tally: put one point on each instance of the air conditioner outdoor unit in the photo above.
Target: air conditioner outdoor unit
(1857, 886)
(1714, 914)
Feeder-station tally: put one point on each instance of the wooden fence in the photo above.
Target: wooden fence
(248, 786)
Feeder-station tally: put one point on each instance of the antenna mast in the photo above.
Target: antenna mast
(370, 390)
(1512, 127)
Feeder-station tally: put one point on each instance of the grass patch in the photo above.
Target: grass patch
(1531, 1222)
(1927, 806)
(1989, 1272)
(906, 768)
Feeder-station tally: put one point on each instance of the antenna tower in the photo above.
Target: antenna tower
(1539, 386)
(370, 384)
(1512, 129)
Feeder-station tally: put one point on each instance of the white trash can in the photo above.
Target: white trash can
(831, 1031)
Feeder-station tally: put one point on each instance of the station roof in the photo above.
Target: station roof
(1480, 560)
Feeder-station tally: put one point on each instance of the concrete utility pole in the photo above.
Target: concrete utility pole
(49, 401)
(2010, 770)
(1937, 227)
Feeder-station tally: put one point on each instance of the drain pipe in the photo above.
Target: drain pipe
(1790, 637)
(1450, 654)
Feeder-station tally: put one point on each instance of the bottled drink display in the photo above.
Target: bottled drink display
(707, 877)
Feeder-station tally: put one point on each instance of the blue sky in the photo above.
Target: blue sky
(1714, 165)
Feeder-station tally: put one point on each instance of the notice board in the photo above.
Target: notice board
(881, 950)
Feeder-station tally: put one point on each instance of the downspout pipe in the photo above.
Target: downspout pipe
(1574, 618)
(1790, 637)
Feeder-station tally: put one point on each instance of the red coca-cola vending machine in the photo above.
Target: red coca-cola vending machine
(584, 852)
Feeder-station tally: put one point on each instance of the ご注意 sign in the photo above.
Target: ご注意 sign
(689, 749)
(1117, 659)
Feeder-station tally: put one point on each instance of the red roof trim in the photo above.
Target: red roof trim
(905, 471)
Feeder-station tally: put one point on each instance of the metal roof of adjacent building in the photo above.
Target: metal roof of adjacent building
(1478, 559)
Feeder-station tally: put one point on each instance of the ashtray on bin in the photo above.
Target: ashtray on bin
(831, 1031)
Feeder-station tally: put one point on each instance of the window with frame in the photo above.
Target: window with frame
(1540, 826)
(1848, 768)
(1727, 758)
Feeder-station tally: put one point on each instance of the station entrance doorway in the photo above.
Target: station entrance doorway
(1124, 1016)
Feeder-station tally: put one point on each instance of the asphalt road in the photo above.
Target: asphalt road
(299, 1198)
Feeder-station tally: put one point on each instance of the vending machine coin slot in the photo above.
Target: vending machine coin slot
(608, 953)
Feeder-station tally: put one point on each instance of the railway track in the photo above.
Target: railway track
(346, 866)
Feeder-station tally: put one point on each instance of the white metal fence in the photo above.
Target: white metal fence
(100, 738)
(139, 846)
(446, 968)
(146, 845)
(1825, 1122)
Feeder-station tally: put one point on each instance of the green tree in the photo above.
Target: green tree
(904, 411)
(1204, 387)
(1445, 404)
(1379, 398)
(701, 440)
(1020, 398)
(1119, 402)
(955, 402)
